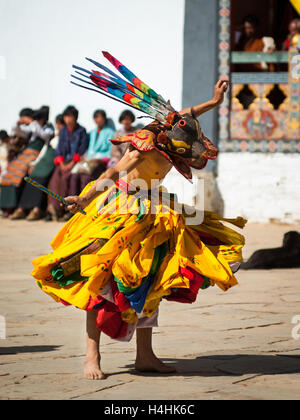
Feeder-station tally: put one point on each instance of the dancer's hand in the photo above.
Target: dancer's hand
(220, 89)
(76, 203)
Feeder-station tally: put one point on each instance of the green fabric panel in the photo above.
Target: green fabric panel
(58, 277)
(36, 144)
(9, 196)
(45, 166)
(113, 197)
(206, 283)
(142, 211)
(124, 289)
(159, 255)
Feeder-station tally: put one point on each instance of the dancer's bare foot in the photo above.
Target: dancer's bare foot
(146, 361)
(92, 368)
(150, 363)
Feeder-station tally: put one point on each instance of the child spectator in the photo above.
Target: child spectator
(250, 42)
(294, 29)
(127, 119)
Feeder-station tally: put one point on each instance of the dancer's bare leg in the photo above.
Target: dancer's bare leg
(92, 368)
(146, 361)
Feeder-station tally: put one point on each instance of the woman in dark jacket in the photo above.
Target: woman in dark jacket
(73, 143)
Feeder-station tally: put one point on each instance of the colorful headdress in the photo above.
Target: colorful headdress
(131, 92)
(179, 137)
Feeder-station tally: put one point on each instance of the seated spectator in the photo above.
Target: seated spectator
(4, 141)
(294, 29)
(127, 119)
(72, 145)
(100, 144)
(33, 200)
(250, 42)
(36, 129)
(19, 138)
(98, 154)
(296, 38)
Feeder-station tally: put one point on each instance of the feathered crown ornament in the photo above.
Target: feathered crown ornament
(178, 137)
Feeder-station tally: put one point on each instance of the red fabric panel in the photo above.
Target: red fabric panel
(109, 321)
(94, 302)
(208, 239)
(183, 295)
(120, 299)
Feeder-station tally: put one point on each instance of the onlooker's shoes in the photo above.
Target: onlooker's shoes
(6, 213)
(66, 217)
(48, 218)
(35, 214)
(18, 214)
(53, 212)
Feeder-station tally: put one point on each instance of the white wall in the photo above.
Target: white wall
(41, 39)
(260, 187)
(186, 192)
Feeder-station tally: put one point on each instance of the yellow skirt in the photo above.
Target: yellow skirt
(150, 250)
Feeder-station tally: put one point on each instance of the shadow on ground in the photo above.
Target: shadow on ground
(231, 365)
(27, 349)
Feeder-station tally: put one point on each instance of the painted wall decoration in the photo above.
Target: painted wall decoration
(294, 91)
(224, 65)
(262, 114)
(261, 121)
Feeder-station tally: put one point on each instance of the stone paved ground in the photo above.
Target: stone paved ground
(234, 345)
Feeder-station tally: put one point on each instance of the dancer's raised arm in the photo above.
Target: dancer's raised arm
(219, 92)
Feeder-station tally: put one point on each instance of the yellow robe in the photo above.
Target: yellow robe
(132, 236)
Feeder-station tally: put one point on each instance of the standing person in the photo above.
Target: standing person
(250, 41)
(38, 132)
(127, 120)
(294, 29)
(73, 143)
(131, 250)
(33, 200)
